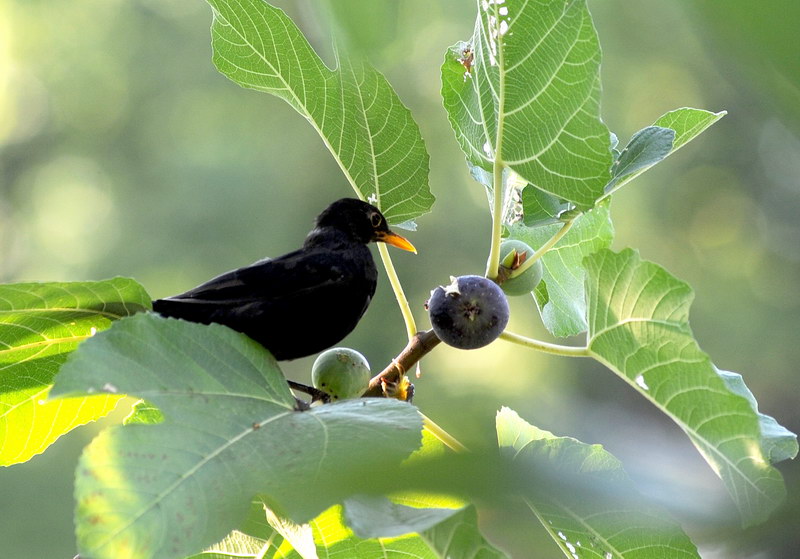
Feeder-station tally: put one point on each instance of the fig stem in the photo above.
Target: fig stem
(493, 265)
(418, 346)
(444, 437)
(402, 301)
(310, 390)
(531, 260)
(545, 347)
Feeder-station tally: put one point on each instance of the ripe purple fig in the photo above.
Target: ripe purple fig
(469, 313)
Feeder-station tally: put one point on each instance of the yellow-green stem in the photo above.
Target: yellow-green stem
(493, 265)
(402, 301)
(545, 347)
(542, 249)
(444, 437)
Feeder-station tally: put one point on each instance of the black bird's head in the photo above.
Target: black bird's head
(362, 222)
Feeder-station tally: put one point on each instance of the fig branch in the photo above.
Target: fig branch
(418, 346)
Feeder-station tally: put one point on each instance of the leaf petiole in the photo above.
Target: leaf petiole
(402, 301)
(554, 349)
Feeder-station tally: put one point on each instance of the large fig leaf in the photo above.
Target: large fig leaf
(524, 92)
(639, 327)
(229, 432)
(370, 133)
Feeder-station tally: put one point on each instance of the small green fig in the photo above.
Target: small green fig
(513, 253)
(341, 373)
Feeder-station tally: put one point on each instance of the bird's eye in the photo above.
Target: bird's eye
(376, 219)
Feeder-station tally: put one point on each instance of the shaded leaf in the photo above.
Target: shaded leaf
(370, 133)
(649, 145)
(40, 324)
(375, 516)
(646, 148)
(611, 521)
(229, 432)
(560, 295)
(540, 208)
(525, 90)
(638, 327)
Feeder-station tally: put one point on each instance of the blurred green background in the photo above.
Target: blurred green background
(124, 152)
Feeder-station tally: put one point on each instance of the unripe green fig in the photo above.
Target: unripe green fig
(341, 373)
(513, 254)
(469, 313)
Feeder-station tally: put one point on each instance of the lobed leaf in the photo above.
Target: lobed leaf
(229, 433)
(561, 295)
(40, 324)
(525, 91)
(612, 520)
(370, 133)
(638, 327)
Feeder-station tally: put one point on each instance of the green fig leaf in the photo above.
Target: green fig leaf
(230, 432)
(40, 324)
(639, 328)
(612, 520)
(655, 143)
(561, 295)
(524, 92)
(359, 117)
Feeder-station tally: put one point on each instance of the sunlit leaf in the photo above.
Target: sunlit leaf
(638, 327)
(777, 441)
(229, 432)
(612, 520)
(40, 324)
(457, 537)
(370, 133)
(525, 90)
(560, 296)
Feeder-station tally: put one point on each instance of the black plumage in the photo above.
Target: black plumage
(304, 301)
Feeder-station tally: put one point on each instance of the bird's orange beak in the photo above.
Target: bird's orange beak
(395, 240)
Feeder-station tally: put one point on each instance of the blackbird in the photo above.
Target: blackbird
(304, 301)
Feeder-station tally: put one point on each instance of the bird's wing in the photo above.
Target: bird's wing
(289, 276)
